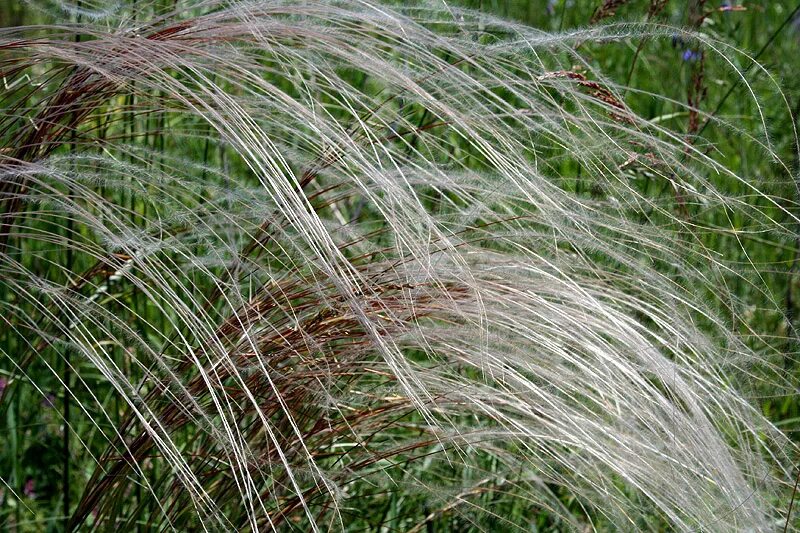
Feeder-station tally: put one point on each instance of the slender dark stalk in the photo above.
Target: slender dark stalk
(656, 6)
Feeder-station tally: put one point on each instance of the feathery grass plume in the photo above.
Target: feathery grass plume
(330, 270)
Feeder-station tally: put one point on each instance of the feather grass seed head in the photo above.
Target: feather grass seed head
(324, 251)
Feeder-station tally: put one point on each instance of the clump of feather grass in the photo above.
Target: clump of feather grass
(373, 278)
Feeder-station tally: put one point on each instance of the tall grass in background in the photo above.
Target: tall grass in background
(343, 265)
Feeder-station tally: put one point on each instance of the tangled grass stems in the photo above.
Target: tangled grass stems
(354, 266)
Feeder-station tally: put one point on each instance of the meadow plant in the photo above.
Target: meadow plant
(280, 265)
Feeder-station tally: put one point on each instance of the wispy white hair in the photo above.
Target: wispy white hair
(378, 273)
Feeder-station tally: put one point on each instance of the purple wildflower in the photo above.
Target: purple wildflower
(29, 490)
(3, 385)
(691, 55)
(727, 7)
